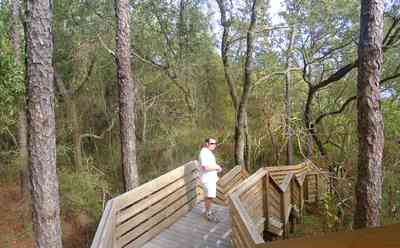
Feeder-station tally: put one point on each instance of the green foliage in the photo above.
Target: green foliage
(391, 114)
(82, 191)
(11, 80)
(330, 210)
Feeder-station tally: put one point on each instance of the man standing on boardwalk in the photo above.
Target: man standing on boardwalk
(209, 175)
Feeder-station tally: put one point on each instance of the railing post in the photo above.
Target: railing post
(306, 196)
(301, 199)
(293, 202)
(265, 206)
(284, 207)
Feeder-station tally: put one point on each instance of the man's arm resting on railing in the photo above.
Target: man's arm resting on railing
(212, 167)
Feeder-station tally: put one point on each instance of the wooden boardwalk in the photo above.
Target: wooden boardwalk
(194, 231)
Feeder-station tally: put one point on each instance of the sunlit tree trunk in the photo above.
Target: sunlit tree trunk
(41, 123)
(126, 97)
(242, 147)
(289, 146)
(370, 121)
(241, 118)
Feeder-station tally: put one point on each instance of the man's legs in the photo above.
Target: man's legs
(208, 203)
(210, 191)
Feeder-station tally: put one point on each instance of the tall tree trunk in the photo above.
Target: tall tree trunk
(310, 126)
(370, 121)
(288, 117)
(76, 133)
(41, 123)
(224, 53)
(225, 45)
(310, 142)
(22, 122)
(247, 145)
(240, 137)
(126, 97)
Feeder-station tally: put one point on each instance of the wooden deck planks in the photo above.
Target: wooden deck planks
(194, 231)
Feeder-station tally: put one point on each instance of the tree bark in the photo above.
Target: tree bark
(370, 121)
(240, 136)
(22, 122)
(224, 53)
(126, 97)
(225, 45)
(41, 123)
(288, 117)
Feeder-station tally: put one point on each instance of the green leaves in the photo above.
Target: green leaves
(391, 114)
(11, 84)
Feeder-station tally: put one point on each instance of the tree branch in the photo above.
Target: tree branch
(86, 79)
(101, 136)
(148, 61)
(329, 52)
(339, 74)
(105, 46)
(267, 29)
(337, 111)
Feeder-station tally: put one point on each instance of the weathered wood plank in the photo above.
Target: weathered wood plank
(245, 185)
(254, 208)
(169, 216)
(180, 186)
(193, 230)
(144, 190)
(286, 182)
(156, 224)
(245, 221)
(237, 239)
(230, 175)
(105, 230)
(240, 233)
(177, 199)
(237, 179)
(275, 226)
(255, 191)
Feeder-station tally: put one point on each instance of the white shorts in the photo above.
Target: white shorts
(210, 189)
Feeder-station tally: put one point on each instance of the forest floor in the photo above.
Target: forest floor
(16, 227)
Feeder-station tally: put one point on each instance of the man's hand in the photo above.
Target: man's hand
(212, 168)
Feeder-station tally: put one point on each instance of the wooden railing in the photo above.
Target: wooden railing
(262, 205)
(229, 181)
(133, 218)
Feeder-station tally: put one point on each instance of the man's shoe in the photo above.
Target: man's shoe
(212, 217)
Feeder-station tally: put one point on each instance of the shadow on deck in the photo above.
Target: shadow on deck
(194, 231)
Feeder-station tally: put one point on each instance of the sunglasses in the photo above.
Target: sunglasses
(212, 143)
